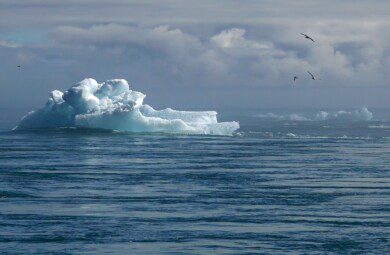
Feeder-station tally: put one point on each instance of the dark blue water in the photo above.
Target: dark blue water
(277, 187)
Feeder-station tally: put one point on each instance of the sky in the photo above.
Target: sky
(200, 54)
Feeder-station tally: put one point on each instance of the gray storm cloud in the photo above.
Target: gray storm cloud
(229, 57)
(172, 44)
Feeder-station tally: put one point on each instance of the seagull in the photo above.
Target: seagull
(295, 78)
(312, 76)
(307, 37)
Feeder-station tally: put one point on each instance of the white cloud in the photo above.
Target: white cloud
(171, 56)
(7, 44)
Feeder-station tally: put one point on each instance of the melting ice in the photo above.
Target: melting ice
(112, 105)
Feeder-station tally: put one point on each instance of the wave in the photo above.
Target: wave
(358, 115)
(112, 105)
(291, 135)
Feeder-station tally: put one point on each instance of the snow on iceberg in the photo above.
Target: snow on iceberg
(112, 105)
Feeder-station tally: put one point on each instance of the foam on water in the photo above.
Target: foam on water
(112, 105)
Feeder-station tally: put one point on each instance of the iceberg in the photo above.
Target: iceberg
(357, 115)
(113, 105)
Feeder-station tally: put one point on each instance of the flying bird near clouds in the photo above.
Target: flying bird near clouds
(307, 37)
(295, 78)
(312, 76)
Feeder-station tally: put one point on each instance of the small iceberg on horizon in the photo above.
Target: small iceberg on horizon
(339, 116)
(112, 105)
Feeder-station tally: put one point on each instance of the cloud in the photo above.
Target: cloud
(177, 44)
(7, 44)
(42, 13)
(226, 58)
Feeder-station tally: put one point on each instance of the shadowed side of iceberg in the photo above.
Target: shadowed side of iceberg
(135, 121)
(112, 105)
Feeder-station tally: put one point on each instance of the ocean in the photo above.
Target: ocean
(288, 182)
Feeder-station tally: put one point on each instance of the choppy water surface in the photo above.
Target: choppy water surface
(274, 188)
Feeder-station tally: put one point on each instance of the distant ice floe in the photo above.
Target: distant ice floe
(292, 117)
(380, 126)
(358, 115)
(112, 105)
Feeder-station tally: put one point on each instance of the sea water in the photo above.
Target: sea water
(276, 186)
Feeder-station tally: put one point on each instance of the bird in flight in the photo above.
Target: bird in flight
(295, 78)
(312, 76)
(307, 37)
(19, 66)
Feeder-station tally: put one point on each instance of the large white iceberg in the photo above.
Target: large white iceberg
(112, 105)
